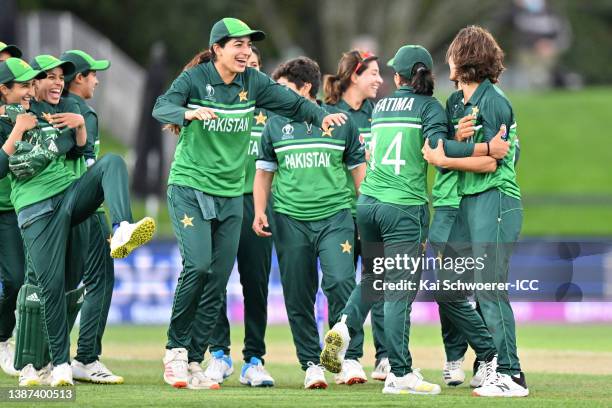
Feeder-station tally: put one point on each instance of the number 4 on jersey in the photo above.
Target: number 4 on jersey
(395, 146)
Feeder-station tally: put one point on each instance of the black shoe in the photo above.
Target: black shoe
(520, 379)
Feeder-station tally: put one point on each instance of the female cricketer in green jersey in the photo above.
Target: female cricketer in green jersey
(312, 219)
(352, 89)
(18, 90)
(214, 103)
(48, 204)
(490, 200)
(254, 262)
(392, 212)
(444, 236)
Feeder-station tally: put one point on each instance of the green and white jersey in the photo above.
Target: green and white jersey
(363, 120)
(259, 121)
(310, 179)
(211, 154)
(54, 179)
(492, 109)
(397, 172)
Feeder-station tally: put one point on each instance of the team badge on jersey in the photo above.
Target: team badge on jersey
(287, 132)
(210, 92)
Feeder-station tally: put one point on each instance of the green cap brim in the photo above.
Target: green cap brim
(390, 62)
(67, 67)
(256, 35)
(100, 65)
(31, 74)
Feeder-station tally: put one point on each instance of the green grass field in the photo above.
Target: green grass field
(581, 354)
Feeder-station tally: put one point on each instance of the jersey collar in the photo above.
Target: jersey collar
(406, 88)
(215, 78)
(343, 105)
(479, 92)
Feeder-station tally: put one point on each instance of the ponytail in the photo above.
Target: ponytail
(333, 89)
(201, 57)
(422, 80)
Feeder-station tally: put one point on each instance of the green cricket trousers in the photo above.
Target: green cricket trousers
(207, 229)
(299, 244)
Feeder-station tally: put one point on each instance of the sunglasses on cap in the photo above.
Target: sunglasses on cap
(364, 58)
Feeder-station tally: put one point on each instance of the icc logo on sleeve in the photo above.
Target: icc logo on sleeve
(287, 132)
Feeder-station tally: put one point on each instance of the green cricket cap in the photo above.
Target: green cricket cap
(233, 28)
(407, 56)
(83, 62)
(17, 70)
(47, 62)
(11, 49)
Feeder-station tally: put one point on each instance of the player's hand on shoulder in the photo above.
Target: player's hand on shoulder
(333, 119)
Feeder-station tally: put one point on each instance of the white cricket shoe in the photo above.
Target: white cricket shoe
(411, 383)
(352, 373)
(254, 374)
(382, 369)
(95, 372)
(485, 370)
(7, 358)
(61, 375)
(315, 377)
(28, 376)
(130, 236)
(453, 373)
(478, 378)
(219, 367)
(44, 374)
(176, 371)
(198, 379)
(336, 343)
(503, 385)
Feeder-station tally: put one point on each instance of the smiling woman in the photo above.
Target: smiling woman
(207, 176)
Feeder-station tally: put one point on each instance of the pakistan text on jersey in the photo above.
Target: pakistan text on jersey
(394, 104)
(307, 160)
(229, 125)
